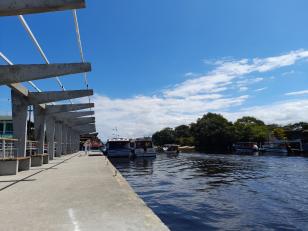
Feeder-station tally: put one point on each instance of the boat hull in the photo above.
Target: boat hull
(119, 153)
(142, 153)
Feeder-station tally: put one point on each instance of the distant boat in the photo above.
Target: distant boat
(171, 148)
(286, 147)
(118, 147)
(277, 147)
(246, 147)
(143, 147)
(187, 149)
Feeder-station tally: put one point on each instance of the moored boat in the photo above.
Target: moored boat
(246, 147)
(143, 147)
(171, 148)
(278, 148)
(118, 147)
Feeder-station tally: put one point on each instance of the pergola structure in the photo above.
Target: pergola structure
(63, 124)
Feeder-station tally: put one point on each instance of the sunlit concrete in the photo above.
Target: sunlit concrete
(25, 72)
(82, 193)
(52, 96)
(52, 109)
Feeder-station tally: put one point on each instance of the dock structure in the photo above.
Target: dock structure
(71, 191)
(74, 192)
(60, 126)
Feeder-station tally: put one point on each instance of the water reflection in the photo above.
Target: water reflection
(142, 165)
(210, 192)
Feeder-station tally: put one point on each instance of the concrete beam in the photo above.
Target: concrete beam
(17, 7)
(80, 121)
(86, 132)
(52, 109)
(73, 115)
(80, 127)
(21, 73)
(52, 96)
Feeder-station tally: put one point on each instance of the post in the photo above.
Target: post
(3, 148)
(19, 114)
(64, 139)
(58, 137)
(50, 133)
(39, 128)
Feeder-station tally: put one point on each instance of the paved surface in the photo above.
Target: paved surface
(75, 193)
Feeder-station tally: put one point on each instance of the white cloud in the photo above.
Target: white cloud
(186, 101)
(283, 112)
(260, 89)
(142, 115)
(295, 93)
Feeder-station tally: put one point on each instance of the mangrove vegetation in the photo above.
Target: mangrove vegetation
(214, 133)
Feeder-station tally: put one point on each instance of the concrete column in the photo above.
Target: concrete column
(64, 140)
(39, 127)
(50, 133)
(58, 139)
(68, 145)
(19, 115)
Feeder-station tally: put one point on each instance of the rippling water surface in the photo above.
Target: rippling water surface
(214, 192)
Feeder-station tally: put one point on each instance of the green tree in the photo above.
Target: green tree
(183, 135)
(165, 136)
(279, 133)
(213, 132)
(182, 131)
(249, 128)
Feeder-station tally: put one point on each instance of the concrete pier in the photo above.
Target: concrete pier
(74, 192)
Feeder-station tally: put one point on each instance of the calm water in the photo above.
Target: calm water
(214, 192)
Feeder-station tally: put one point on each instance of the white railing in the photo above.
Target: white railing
(31, 148)
(8, 148)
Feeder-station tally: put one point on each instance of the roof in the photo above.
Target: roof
(118, 140)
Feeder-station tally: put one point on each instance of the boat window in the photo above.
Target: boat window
(119, 144)
(143, 144)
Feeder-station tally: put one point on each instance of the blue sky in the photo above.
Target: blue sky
(166, 62)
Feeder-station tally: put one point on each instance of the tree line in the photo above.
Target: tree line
(215, 133)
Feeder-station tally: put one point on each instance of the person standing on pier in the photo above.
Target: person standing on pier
(87, 146)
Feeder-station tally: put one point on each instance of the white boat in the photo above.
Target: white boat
(245, 147)
(279, 148)
(118, 147)
(171, 148)
(143, 147)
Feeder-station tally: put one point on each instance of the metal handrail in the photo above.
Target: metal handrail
(8, 148)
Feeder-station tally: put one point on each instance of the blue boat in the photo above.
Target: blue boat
(118, 147)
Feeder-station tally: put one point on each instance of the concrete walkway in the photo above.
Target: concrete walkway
(75, 193)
